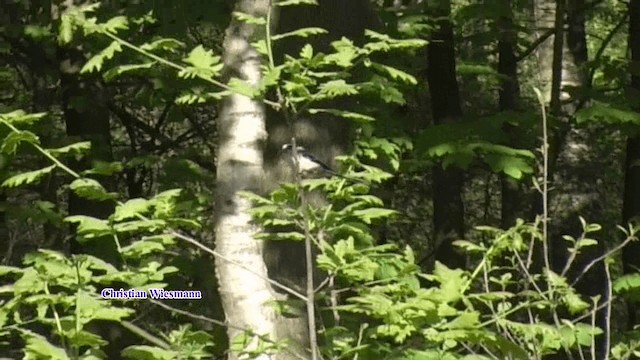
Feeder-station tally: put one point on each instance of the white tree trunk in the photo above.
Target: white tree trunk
(247, 297)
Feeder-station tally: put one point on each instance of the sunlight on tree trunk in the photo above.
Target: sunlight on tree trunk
(247, 297)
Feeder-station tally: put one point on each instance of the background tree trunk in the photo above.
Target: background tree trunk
(448, 209)
(573, 151)
(631, 197)
(512, 204)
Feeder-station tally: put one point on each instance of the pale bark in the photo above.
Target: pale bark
(247, 297)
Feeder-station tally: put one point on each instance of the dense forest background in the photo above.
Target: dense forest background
(484, 203)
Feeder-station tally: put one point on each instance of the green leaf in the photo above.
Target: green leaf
(140, 225)
(336, 88)
(249, 19)
(96, 62)
(28, 177)
(141, 248)
(306, 52)
(19, 117)
(144, 352)
(104, 168)
(114, 24)
(393, 73)
(38, 347)
(205, 64)
(77, 148)
(163, 44)
(89, 227)
(123, 69)
(357, 117)
(90, 189)
(242, 88)
(607, 113)
(303, 33)
(131, 209)
(14, 139)
(295, 2)
(367, 215)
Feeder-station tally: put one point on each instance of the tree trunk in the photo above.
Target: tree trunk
(86, 118)
(247, 297)
(572, 151)
(509, 95)
(448, 210)
(631, 197)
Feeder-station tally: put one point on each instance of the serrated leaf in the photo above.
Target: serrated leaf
(163, 44)
(104, 168)
(131, 209)
(38, 347)
(77, 148)
(13, 139)
(27, 177)
(607, 113)
(303, 33)
(249, 19)
(335, 88)
(242, 87)
(204, 63)
(96, 62)
(20, 117)
(141, 248)
(89, 227)
(306, 52)
(114, 24)
(90, 189)
(367, 215)
(123, 69)
(139, 225)
(395, 73)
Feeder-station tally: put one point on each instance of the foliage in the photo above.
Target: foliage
(377, 299)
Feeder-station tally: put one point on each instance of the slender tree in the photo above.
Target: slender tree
(631, 196)
(247, 296)
(448, 209)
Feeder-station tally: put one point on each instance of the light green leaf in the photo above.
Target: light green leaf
(19, 117)
(249, 19)
(114, 24)
(13, 139)
(28, 177)
(204, 63)
(141, 248)
(96, 62)
(303, 33)
(242, 88)
(38, 347)
(77, 148)
(367, 215)
(357, 117)
(163, 44)
(394, 73)
(122, 69)
(89, 227)
(90, 189)
(335, 88)
(131, 209)
(607, 113)
(295, 2)
(306, 52)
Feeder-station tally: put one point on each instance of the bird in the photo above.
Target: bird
(307, 162)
